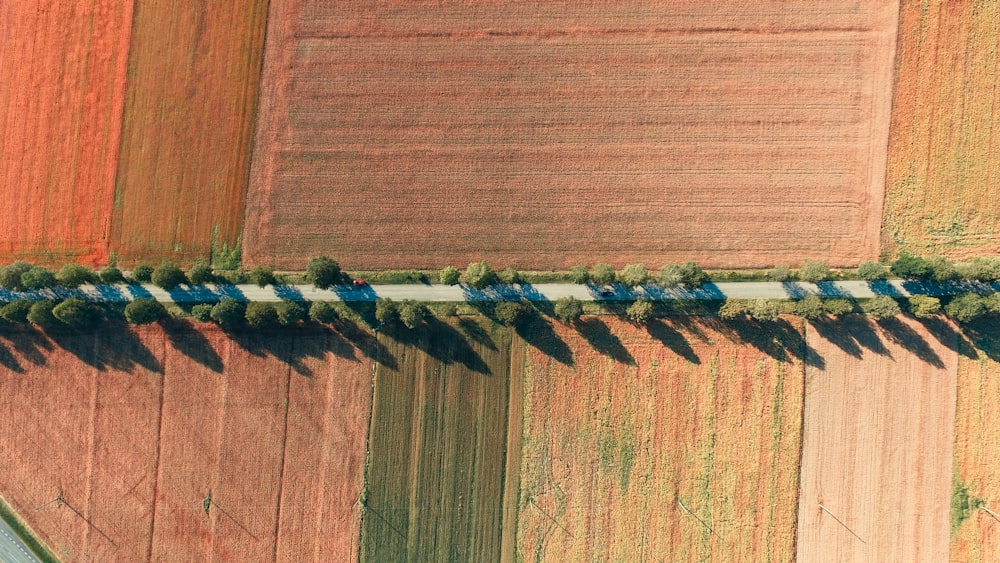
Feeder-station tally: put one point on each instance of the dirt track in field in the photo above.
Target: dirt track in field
(194, 72)
(541, 136)
(136, 429)
(60, 119)
(877, 444)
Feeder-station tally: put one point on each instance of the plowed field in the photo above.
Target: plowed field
(877, 444)
(544, 134)
(135, 431)
(194, 72)
(672, 444)
(942, 183)
(60, 121)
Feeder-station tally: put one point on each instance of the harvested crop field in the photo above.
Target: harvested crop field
(194, 72)
(975, 532)
(60, 121)
(437, 447)
(547, 134)
(877, 442)
(676, 443)
(134, 430)
(942, 180)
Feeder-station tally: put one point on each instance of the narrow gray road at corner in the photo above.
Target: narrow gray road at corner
(12, 549)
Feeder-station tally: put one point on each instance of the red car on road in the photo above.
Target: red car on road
(360, 283)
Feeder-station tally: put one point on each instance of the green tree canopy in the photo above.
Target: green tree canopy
(634, 275)
(111, 275)
(260, 314)
(603, 274)
(142, 273)
(200, 274)
(809, 307)
(871, 271)
(323, 272)
(692, 276)
(881, 307)
(510, 313)
(579, 274)
(924, 306)
(10, 275)
(479, 275)
(168, 276)
(40, 314)
(568, 309)
(262, 276)
(412, 313)
(449, 275)
(77, 313)
(322, 312)
(814, 271)
(202, 312)
(228, 313)
(640, 312)
(966, 307)
(16, 311)
(910, 267)
(75, 275)
(143, 311)
(37, 278)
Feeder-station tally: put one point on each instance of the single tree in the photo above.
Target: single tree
(942, 270)
(16, 311)
(881, 307)
(692, 276)
(924, 306)
(871, 271)
(386, 311)
(37, 278)
(640, 312)
(142, 273)
(479, 275)
(10, 275)
(40, 314)
(412, 313)
(75, 275)
(143, 311)
(634, 275)
(322, 312)
(291, 312)
(966, 307)
(838, 307)
(111, 275)
(734, 308)
(814, 271)
(228, 313)
(579, 274)
(510, 313)
(985, 269)
(809, 307)
(603, 274)
(77, 313)
(670, 276)
(323, 272)
(992, 302)
(568, 309)
(449, 275)
(168, 276)
(262, 276)
(780, 273)
(202, 312)
(510, 276)
(260, 314)
(910, 267)
(764, 310)
(200, 274)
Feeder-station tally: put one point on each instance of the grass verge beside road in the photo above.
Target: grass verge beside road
(38, 549)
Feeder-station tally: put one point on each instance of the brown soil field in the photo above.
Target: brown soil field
(976, 538)
(544, 134)
(438, 442)
(942, 179)
(135, 429)
(877, 443)
(193, 78)
(60, 120)
(675, 443)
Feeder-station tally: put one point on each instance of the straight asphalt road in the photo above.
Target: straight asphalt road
(12, 549)
(540, 292)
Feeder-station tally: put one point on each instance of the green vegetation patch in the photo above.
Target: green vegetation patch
(962, 504)
(29, 538)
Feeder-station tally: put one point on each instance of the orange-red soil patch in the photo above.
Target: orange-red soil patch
(943, 178)
(194, 71)
(877, 444)
(673, 443)
(135, 431)
(544, 134)
(60, 121)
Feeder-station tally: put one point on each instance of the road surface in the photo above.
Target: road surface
(12, 549)
(539, 292)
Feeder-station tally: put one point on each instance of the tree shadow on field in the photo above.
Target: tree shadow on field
(190, 341)
(851, 333)
(9, 360)
(440, 341)
(315, 342)
(600, 338)
(902, 335)
(29, 344)
(983, 333)
(475, 332)
(778, 339)
(538, 332)
(112, 346)
(673, 339)
(947, 334)
(366, 343)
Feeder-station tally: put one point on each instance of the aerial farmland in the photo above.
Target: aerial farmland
(259, 413)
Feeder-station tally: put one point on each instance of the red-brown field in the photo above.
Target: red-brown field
(544, 134)
(60, 121)
(877, 444)
(676, 443)
(134, 431)
(193, 72)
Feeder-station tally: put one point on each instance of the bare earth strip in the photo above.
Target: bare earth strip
(541, 135)
(877, 445)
